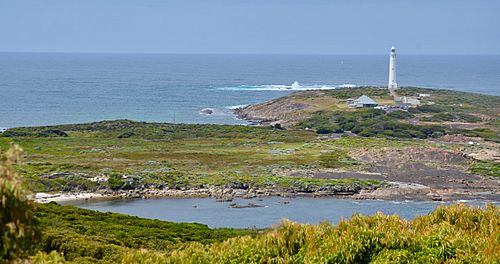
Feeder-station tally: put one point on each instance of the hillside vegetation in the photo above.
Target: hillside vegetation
(158, 155)
(85, 236)
(444, 112)
(126, 156)
(450, 234)
(454, 234)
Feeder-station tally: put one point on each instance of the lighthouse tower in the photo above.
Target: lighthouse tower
(393, 85)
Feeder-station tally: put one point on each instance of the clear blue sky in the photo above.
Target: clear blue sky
(251, 26)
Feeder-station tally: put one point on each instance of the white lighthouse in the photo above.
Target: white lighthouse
(393, 85)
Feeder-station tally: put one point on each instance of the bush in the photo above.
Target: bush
(486, 168)
(19, 228)
(454, 234)
(52, 133)
(115, 183)
(88, 236)
(400, 115)
(370, 123)
(44, 258)
(427, 109)
(331, 128)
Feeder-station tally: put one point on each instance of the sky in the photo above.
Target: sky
(251, 26)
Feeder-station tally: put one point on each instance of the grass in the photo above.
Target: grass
(486, 168)
(186, 156)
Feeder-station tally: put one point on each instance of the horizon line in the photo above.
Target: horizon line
(245, 53)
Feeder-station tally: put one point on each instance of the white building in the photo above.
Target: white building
(393, 85)
(424, 95)
(362, 101)
(410, 100)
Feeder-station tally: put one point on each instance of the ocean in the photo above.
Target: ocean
(57, 88)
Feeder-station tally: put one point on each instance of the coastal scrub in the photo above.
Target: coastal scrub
(453, 234)
(19, 228)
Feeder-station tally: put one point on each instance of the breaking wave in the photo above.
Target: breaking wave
(283, 87)
(234, 107)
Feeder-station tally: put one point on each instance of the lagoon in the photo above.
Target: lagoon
(220, 214)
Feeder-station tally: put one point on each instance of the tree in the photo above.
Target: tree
(19, 228)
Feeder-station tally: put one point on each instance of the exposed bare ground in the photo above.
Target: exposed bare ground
(285, 110)
(417, 173)
(450, 124)
(479, 150)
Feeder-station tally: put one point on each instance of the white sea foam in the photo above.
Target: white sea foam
(296, 86)
(234, 107)
(347, 85)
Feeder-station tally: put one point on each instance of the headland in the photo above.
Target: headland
(309, 143)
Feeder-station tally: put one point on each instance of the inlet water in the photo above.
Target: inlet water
(216, 214)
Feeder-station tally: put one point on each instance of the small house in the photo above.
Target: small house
(362, 101)
(410, 100)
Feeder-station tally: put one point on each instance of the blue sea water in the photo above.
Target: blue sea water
(56, 88)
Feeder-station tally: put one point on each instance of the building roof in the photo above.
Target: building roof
(366, 100)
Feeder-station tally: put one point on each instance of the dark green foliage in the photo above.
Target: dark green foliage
(454, 101)
(451, 117)
(131, 129)
(52, 133)
(327, 129)
(115, 183)
(85, 235)
(38, 133)
(400, 115)
(372, 123)
(427, 109)
(486, 168)
(15, 133)
(19, 229)
(485, 133)
(126, 135)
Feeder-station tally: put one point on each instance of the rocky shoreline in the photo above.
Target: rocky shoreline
(220, 194)
(394, 191)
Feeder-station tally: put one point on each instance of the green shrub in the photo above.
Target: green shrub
(84, 235)
(43, 258)
(331, 128)
(370, 123)
(486, 168)
(427, 109)
(115, 182)
(400, 115)
(453, 234)
(485, 133)
(19, 228)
